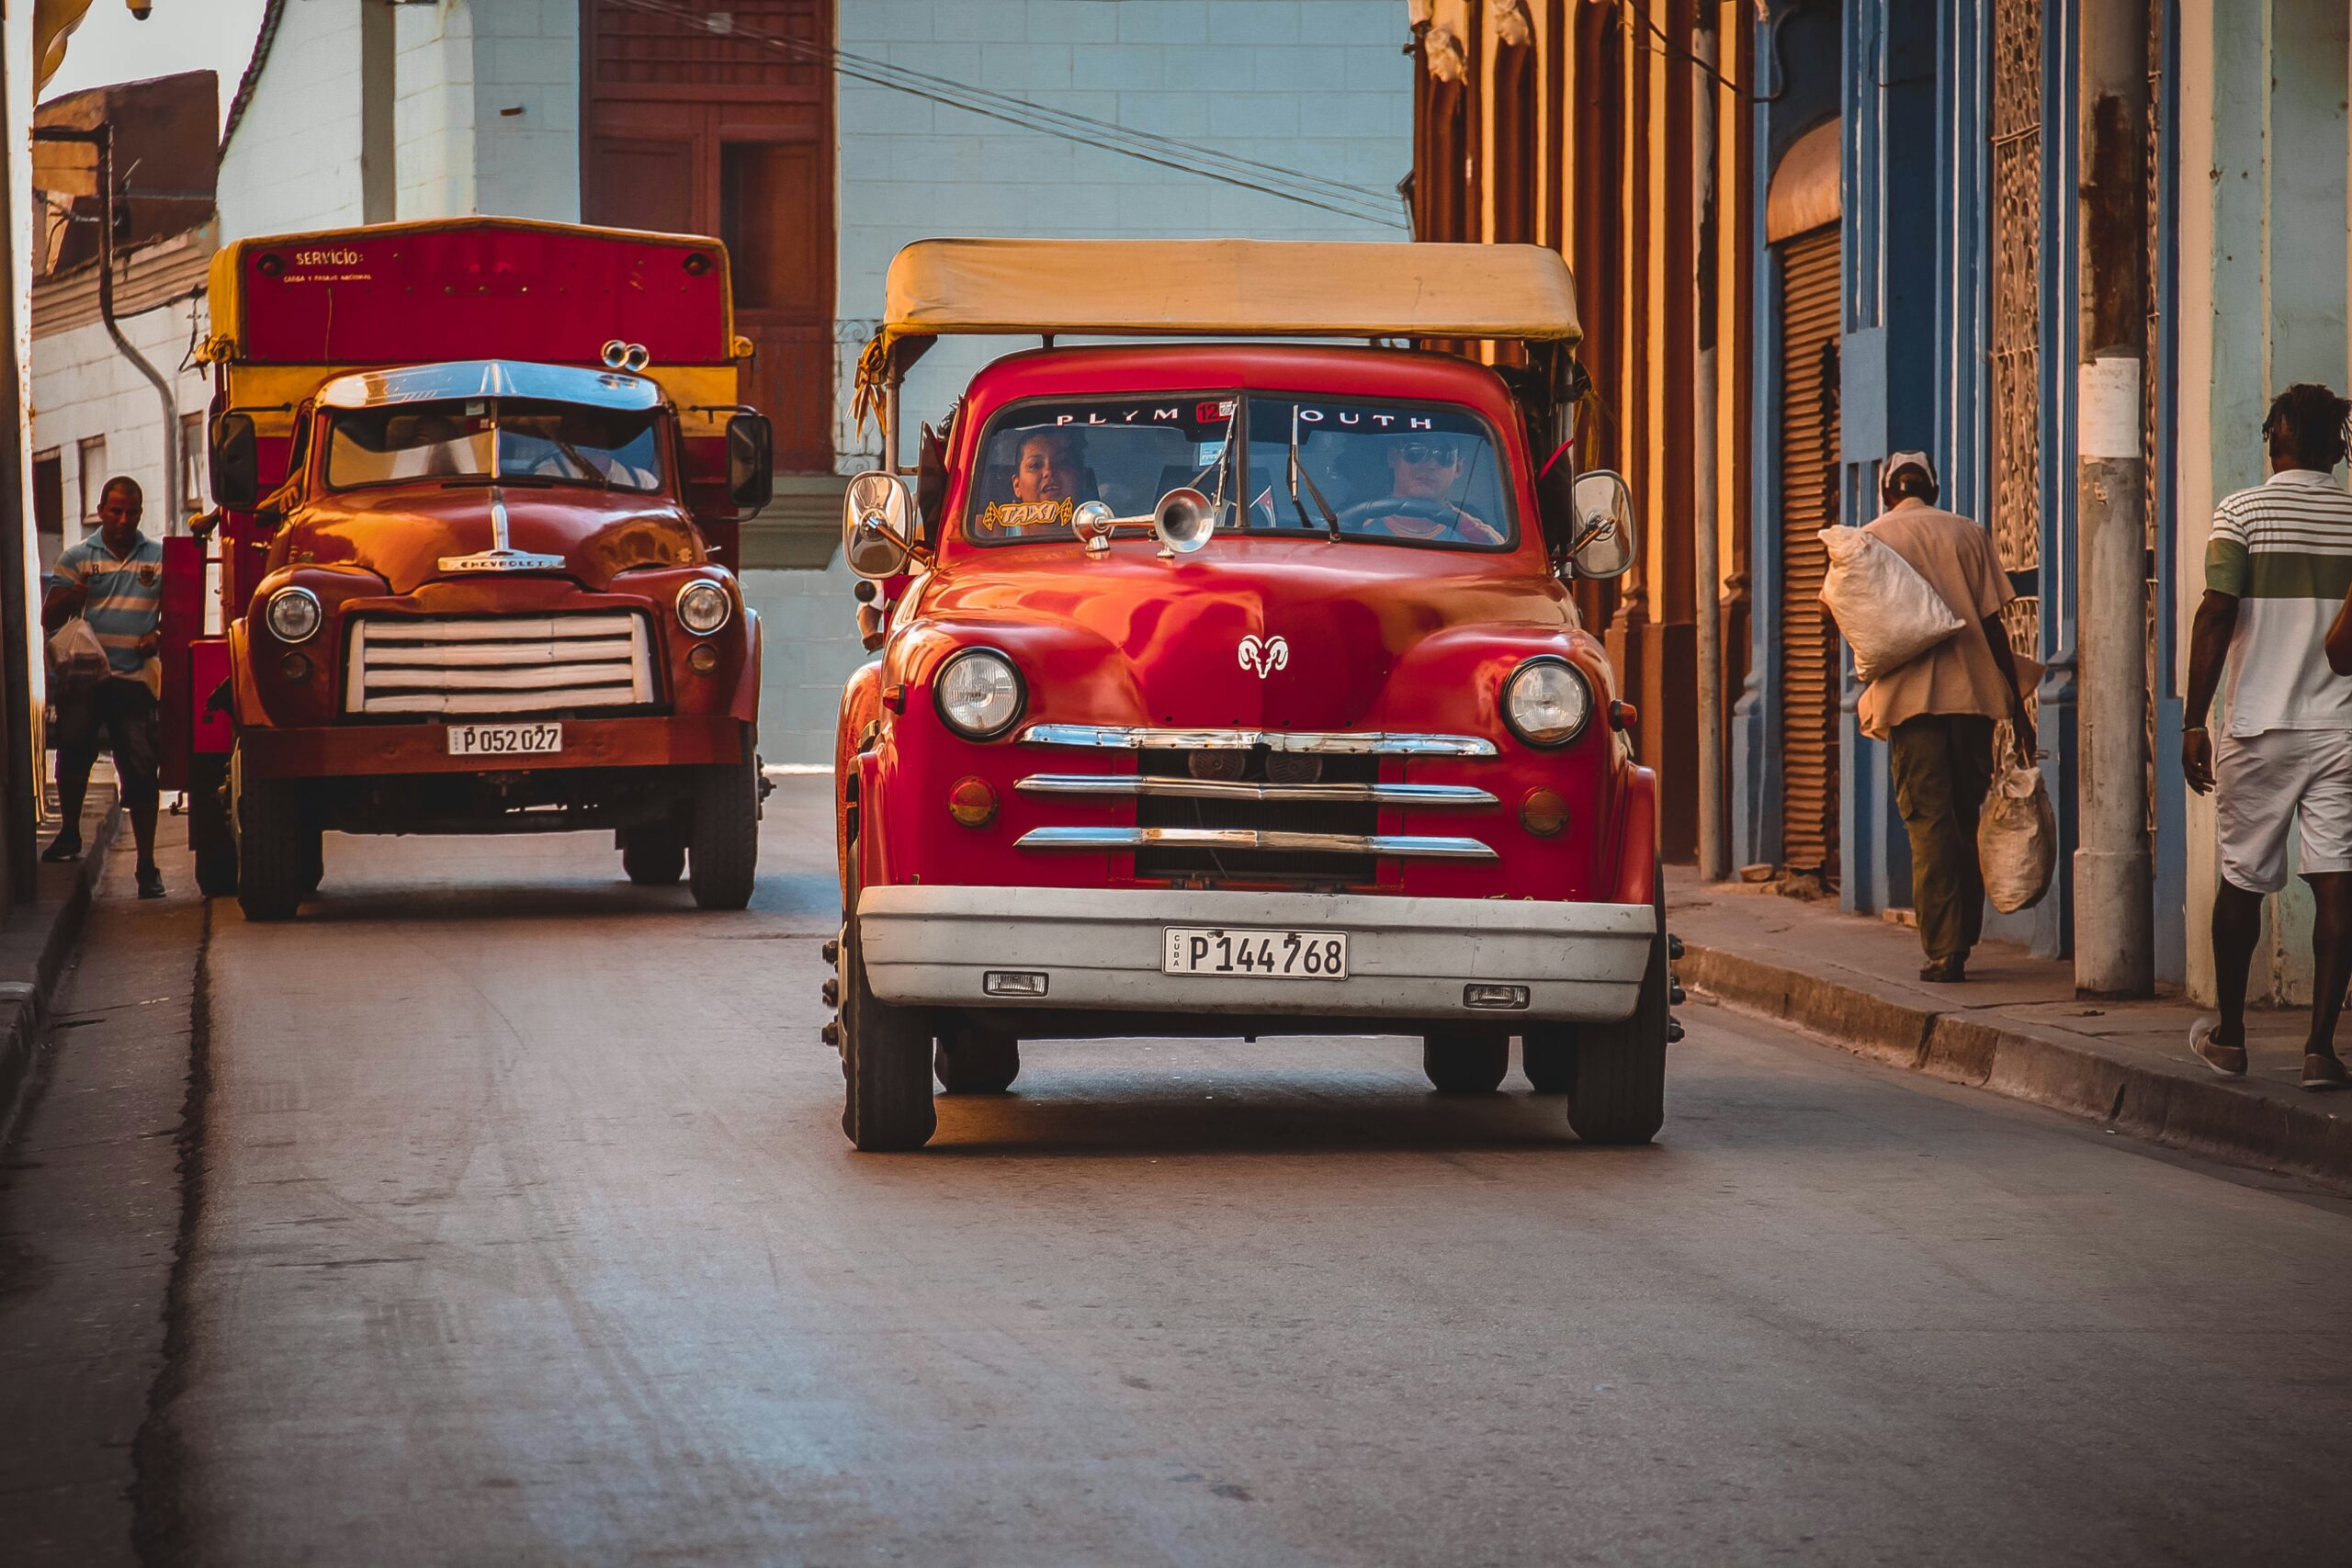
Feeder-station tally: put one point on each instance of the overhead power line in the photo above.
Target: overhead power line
(1191, 158)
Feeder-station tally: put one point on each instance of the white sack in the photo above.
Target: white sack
(77, 661)
(1886, 610)
(2017, 838)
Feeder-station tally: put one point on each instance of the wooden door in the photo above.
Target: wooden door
(1809, 655)
(728, 130)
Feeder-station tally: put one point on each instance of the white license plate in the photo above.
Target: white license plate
(504, 740)
(1260, 954)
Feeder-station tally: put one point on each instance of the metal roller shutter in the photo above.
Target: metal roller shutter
(1809, 657)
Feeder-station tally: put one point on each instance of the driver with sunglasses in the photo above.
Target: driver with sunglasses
(1425, 471)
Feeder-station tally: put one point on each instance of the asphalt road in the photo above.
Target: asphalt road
(526, 1234)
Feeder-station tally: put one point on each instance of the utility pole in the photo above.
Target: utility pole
(1714, 853)
(2114, 912)
(20, 782)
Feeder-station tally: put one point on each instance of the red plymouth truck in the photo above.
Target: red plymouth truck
(1234, 688)
(477, 485)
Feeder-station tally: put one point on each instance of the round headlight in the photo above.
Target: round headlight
(978, 692)
(1547, 702)
(703, 606)
(294, 615)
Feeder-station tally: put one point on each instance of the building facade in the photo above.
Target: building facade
(1616, 136)
(815, 138)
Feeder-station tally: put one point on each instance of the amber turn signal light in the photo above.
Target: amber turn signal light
(972, 803)
(1624, 715)
(295, 667)
(1543, 813)
(703, 660)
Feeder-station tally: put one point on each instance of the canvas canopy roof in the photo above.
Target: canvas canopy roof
(1223, 288)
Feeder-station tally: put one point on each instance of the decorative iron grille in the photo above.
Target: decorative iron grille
(2015, 136)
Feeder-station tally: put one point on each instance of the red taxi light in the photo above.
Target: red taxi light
(972, 803)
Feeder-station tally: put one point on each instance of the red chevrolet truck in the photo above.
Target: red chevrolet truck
(1236, 687)
(478, 484)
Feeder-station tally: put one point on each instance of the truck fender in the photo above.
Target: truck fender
(1636, 836)
(744, 702)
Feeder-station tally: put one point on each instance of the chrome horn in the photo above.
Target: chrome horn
(1183, 521)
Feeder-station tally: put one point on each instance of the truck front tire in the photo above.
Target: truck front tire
(885, 1056)
(724, 845)
(209, 832)
(1465, 1061)
(278, 852)
(654, 855)
(1619, 1096)
(975, 1061)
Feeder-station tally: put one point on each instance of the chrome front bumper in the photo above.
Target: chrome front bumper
(1408, 958)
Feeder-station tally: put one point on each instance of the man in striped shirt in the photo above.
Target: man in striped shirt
(2277, 564)
(114, 580)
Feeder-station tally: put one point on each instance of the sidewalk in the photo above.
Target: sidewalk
(2014, 1027)
(36, 940)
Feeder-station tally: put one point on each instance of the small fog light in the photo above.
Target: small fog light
(1012, 983)
(295, 667)
(1543, 813)
(972, 803)
(703, 660)
(1495, 998)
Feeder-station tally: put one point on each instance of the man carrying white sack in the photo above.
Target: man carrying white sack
(1936, 711)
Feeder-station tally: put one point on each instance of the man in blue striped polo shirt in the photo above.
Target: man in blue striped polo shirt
(114, 580)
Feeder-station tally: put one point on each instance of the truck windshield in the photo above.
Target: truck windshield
(485, 438)
(1393, 473)
(1039, 460)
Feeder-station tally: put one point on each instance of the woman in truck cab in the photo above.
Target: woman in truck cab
(1427, 467)
(1048, 469)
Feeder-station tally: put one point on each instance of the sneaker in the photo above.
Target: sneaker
(151, 881)
(2227, 1060)
(65, 847)
(1945, 971)
(2325, 1072)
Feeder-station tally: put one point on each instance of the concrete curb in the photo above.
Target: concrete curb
(2206, 1116)
(33, 953)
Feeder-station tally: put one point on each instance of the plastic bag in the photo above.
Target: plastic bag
(77, 661)
(1886, 610)
(2017, 838)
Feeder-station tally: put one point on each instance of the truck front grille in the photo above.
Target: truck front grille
(1353, 818)
(473, 665)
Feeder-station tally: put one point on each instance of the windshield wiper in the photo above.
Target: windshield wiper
(1297, 474)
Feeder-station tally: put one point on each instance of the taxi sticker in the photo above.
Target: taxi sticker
(1006, 514)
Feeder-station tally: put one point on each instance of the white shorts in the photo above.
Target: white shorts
(2263, 784)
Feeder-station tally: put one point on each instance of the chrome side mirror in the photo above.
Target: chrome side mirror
(1604, 543)
(878, 525)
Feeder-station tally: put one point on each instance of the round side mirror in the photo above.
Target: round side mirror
(1184, 519)
(877, 525)
(1604, 543)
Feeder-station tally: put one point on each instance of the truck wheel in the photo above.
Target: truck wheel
(886, 1056)
(1465, 1061)
(277, 846)
(1619, 1096)
(209, 833)
(1548, 1056)
(726, 836)
(975, 1061)
(654, 855)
